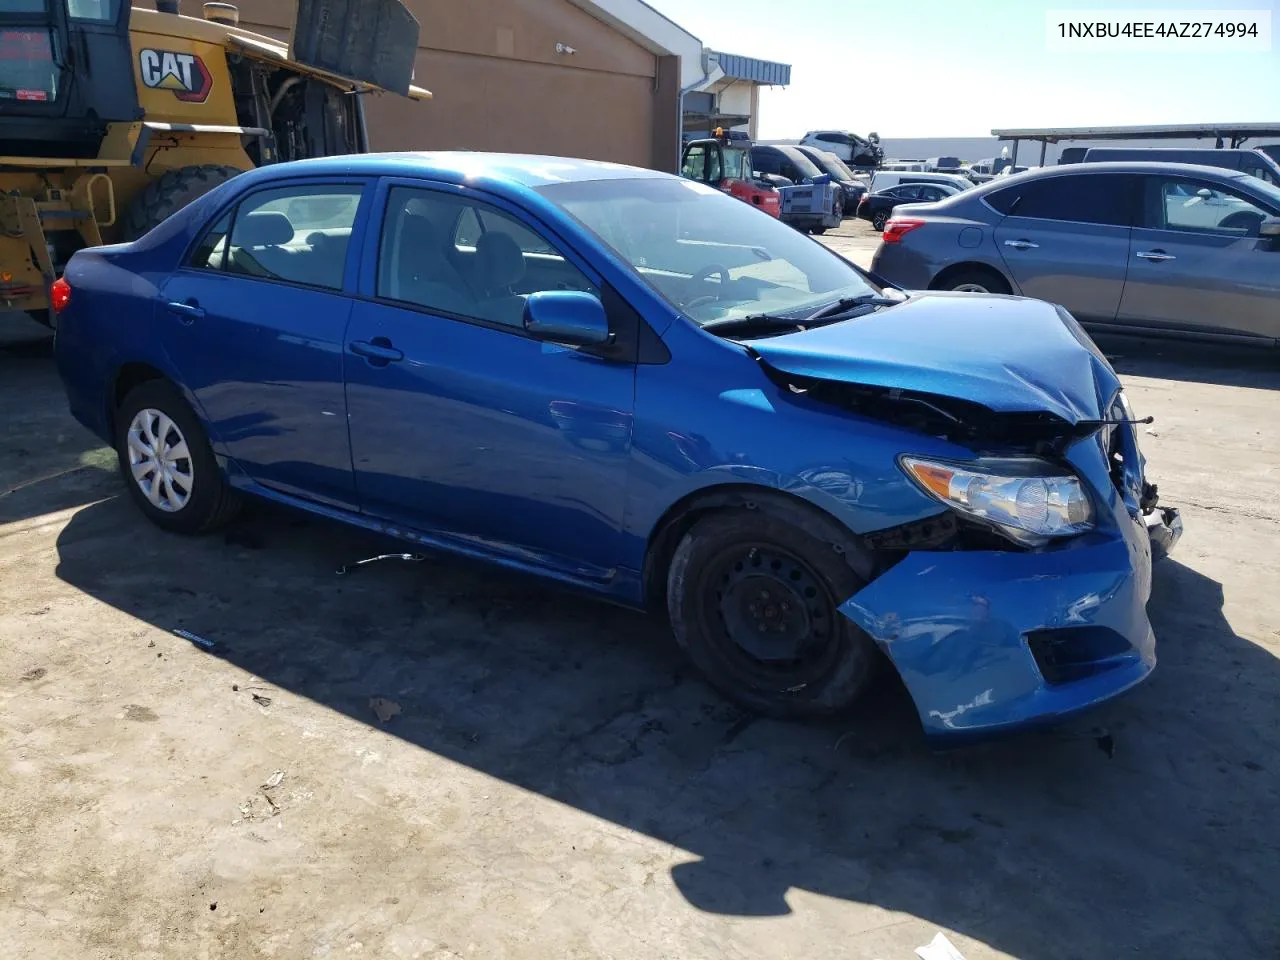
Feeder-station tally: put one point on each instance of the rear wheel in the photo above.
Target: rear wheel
(166, 196)
(879, 219)
(167, 463)
(753, 601)
(974, 280)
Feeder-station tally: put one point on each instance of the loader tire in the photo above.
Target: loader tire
(166, 196)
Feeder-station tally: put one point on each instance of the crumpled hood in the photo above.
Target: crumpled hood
(1008, 354)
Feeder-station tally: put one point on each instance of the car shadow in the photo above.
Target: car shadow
(48, 462)
(1191, 361)
(1146, 829)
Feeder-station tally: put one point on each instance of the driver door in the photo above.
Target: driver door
(1196, 261)
(462, 424)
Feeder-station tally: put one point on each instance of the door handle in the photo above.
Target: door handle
(188, 311)
(1155, 256)
(1022, 245)
(378, 351)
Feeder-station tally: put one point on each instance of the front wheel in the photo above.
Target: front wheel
(167, 463)
(753, 601)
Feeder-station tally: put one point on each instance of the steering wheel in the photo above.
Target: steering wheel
(706, 273)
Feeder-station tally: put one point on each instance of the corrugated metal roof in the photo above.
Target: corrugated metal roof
(749, 68)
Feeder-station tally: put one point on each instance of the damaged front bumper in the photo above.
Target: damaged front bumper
(989, 641)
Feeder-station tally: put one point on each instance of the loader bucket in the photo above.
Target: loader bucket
(373, 41)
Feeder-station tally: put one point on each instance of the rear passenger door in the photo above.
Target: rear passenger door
(254, 322)
(1065, 239)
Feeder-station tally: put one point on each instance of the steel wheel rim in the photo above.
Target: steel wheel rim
(970, 288)
(159, 460)
(779, 650)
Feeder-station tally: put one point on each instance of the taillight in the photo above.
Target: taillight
(59, 294)
(899, 227)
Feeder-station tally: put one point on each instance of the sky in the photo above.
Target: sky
(959, 68)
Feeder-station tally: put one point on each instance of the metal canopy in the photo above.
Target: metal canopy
(1237, 133)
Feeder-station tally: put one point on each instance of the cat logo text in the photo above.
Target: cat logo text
(183, 73)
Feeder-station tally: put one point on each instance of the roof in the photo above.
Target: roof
(738, 67)
(461, 166)
(1128, 166)
(1164, 132)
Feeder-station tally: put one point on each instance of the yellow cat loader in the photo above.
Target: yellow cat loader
(112, 117)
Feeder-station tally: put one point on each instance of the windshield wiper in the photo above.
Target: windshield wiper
(754, 323)
(772, 322)
(833, 310)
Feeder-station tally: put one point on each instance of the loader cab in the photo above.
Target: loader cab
(49, 106)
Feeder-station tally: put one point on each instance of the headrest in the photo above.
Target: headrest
(418, 234)
(264, 228)
(499, 259)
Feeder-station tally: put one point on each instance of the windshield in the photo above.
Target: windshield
(806, 166)
(736, 166)
(27, 68)
(711, 256)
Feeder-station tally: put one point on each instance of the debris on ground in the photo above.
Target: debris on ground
(939, 948)
(407, 557)
(384, 709)
(261, 701)
(273, 781)
(200, 642)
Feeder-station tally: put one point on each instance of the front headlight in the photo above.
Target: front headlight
(1028, 499)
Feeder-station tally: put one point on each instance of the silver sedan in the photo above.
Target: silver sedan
(1164, 248)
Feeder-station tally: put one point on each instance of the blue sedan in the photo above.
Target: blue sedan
(633, 385)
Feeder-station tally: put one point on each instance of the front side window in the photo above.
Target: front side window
(296, 234)
(715, 166)
(695, 163)
(708, 254)
(1176, 203)
(462, 258)
(1099, 198)
(28, 71)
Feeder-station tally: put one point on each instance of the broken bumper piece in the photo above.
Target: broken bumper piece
(991, 641)
(1164, 528)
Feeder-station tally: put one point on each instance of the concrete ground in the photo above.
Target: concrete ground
(439, 761)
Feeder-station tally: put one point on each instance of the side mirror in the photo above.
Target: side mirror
(1204, 193)
(571, 317)
(1270, 227)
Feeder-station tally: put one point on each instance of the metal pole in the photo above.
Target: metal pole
(1044, 145)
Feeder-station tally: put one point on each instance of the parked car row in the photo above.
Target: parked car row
(1174, 249)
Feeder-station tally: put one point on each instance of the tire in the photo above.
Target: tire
(975, 280)
(879, 219)
(739, 575)
(209, 503)
(817, 231)
(170, 193)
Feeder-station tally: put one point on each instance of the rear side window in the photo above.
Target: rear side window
(1106, 199)
(297, 234)
(211, 252)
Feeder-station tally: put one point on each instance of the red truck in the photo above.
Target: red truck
(724, 162)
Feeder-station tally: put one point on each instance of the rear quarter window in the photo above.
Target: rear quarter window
(1106, 199)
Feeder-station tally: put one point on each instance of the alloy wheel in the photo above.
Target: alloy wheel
(159, 460)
